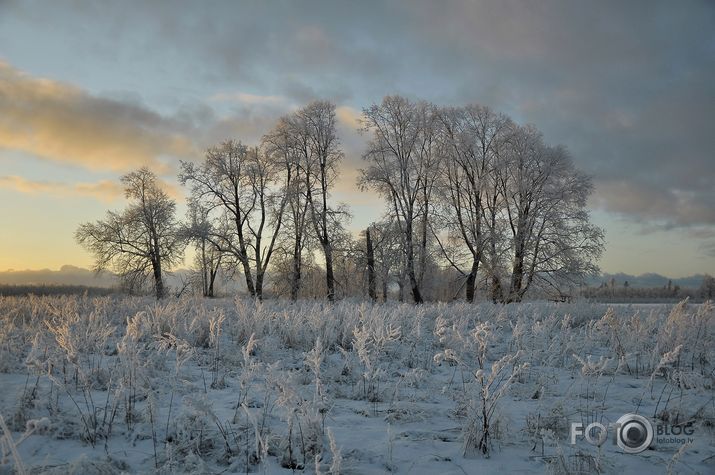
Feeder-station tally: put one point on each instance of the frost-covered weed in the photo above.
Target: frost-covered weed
(140, 365)
(239, 385)
(489, 384)
(337, 458)
(545, 341)
(81, 345)
(304, 418)
(321, 400)
(640, 341)
(249, 367)
(194, 428)
(371, 341)
(215, 324)
(8, 448)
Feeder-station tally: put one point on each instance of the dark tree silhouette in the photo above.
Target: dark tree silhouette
(140, 241)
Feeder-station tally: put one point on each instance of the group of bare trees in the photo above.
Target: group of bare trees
(465, 188)
(489, 194)
(254, 201)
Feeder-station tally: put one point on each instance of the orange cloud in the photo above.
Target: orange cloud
(104, 190)
(65, 124)
(348, 116)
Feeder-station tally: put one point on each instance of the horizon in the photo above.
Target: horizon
(94, 94)
(69, 268)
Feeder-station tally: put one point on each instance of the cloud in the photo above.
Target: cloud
(644, 203)
(706, 236)
(656, 208)
(627, 86)
(247, 98)
(348, 116)
(62, 123)
(708, 248)
(104, 190)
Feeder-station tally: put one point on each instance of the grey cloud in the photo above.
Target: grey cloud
(668, 207)
(708, 248)
(627, 86)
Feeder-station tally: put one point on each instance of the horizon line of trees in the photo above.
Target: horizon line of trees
(612, 290)
(474, 203)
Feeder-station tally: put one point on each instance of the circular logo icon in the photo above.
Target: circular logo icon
(634, 434)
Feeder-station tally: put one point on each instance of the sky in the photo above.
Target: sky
(92, 90)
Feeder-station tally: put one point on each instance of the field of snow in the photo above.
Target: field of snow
(112, 385)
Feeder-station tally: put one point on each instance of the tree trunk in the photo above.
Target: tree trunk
(212, 278)
(259, 284)
(158, 282)
(329, 276)
(204, 270)
(370, 267)
(414, 285)
(244, 257)
(423, 250)
(517, 275)
(402, 279)
(496, 289)
(247, 273)
(295, 278)
(210, 292)
(472, 280)
(416, 294)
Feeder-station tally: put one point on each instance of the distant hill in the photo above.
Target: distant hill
(67, 275)
(73, 276)
(648, 280)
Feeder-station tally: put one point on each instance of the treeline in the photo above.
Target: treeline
(612, 291)
(475, 204)
(8, 290)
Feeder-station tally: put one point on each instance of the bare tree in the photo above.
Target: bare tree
(495, 249)
(552, 240)
(238, 184)
(387, 254)
(319, 122)
(350, 265)
(198, 230)
(403, 167)
(289, 147)
(316, 153)
(470, 137)
(139, 241)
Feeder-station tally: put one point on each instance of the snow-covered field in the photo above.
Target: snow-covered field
(115, 385)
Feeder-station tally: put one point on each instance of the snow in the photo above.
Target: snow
(128, 385)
